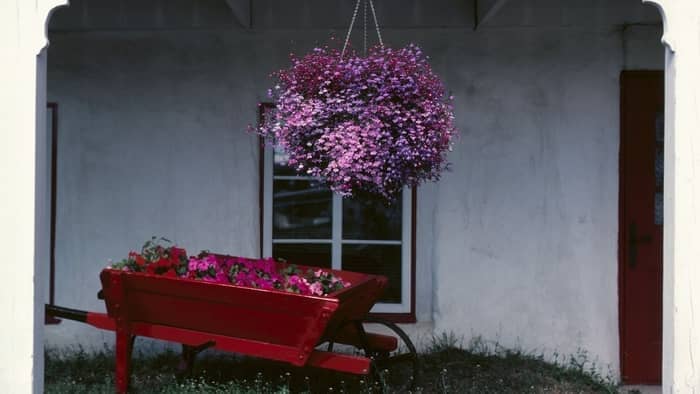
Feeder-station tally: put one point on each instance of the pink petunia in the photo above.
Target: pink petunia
(192, 265)
(316, 288)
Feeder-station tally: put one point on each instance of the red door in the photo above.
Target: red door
(641, 225)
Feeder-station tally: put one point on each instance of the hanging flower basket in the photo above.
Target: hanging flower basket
(367, 125)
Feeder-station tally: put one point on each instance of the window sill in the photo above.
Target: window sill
(399, 318)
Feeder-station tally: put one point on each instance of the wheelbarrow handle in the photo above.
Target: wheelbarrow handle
(66, 313)
(95, 319)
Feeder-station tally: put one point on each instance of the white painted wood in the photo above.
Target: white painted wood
(681, 298)
(370, 242)
(242, 11)
(337, 233)
(42, 219)
(267, 202)
(23, 93)
(302, 241)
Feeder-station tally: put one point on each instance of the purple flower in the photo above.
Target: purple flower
(367, 125)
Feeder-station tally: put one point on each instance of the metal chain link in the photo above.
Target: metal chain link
(352, 23)
(376, 24)
(365, 28)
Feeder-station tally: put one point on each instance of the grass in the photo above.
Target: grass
(446, 367)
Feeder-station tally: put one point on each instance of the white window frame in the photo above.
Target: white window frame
(336, 241)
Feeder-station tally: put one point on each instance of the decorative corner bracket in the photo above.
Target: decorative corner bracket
(44, 10)
(664, 7)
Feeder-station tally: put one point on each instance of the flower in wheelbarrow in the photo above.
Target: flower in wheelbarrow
(316, 288)
(299, 284)
(138, 259)
(221, 277)
(193, 263)
(155, 258)
(258, 273)
(329, 282)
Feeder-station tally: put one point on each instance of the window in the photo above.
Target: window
(304, 222)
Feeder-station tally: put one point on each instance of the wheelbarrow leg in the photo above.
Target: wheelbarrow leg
(125, 343)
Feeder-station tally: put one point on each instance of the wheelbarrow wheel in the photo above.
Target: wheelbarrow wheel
(383, 360)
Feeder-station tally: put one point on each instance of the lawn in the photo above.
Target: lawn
(446, 367)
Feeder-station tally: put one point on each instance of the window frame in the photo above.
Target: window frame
(53, 162)
(398, 313)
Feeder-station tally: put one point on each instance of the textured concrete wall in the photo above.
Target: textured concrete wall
(527, 224)
(518, 244)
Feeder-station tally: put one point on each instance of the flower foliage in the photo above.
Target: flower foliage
(158, 259)
(366, 125)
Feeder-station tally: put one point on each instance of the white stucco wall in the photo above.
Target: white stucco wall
(518, 244)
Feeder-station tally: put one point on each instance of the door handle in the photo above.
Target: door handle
(632, 241)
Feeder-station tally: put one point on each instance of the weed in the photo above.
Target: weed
(447, 367)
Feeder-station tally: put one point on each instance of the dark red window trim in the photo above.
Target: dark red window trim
(52, 252)
(409, 317)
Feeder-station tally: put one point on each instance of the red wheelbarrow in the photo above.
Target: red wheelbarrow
(269, 324)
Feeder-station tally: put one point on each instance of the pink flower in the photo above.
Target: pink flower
(221, 277)
(241, 277)
(265, 285)
(192, 265)
(316, 288)
(258, 273)
(303, 286)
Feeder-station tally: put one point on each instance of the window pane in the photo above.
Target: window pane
(301, 209)
(318, 255)
(377, 259)
(371, 220)
(280, 163)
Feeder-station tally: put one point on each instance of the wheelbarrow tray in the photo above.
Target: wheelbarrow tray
(270, 324)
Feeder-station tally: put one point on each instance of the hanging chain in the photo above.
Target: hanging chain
(365, 29)
(376, 24)
(352, 24)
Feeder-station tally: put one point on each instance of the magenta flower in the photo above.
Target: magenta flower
(192, 264)
(262, 274)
